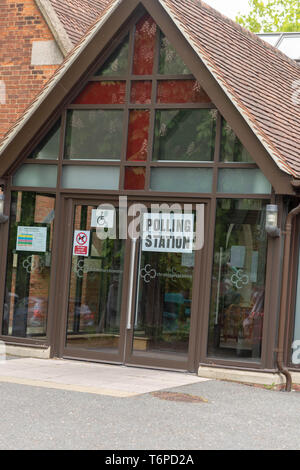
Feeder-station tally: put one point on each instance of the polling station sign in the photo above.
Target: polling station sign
(168, 232)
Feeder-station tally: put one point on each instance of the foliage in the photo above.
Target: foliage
(272, 16)
(169, 61)
(117, 63)
(232, 150)
(185, 134)
(94, 134)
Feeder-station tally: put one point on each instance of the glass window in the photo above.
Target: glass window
(185, 180)
(169, 61)
(141, 92)
(135, 178)
(181, 91)
(238, 280)
(102, 93)
(36, 176)
(144, 46)
(232, 149)
(138, 135)
(184, 135)
(91, 177)
(28, 265)
(94, 134)
(244, 181)
(117, 63)
(296, 355)
(270, 38)
(48, 149)
(290, 46)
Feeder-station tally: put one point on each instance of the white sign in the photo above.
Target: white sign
(103, 218)
(237, 256)
(169, 233)
(81, 243)
(32, 239)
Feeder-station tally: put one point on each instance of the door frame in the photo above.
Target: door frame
(124, 356)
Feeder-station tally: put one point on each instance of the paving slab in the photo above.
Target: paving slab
(101, 379)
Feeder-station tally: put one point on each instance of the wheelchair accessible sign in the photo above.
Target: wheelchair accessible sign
(81, 243)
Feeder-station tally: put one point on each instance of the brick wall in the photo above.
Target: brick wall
(21, 23)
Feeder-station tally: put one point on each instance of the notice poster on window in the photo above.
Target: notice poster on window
(32, 239)
(168, 233)
(81, 243)
(103, 218)
(237, 256)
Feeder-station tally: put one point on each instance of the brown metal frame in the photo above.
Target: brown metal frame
(64, 197)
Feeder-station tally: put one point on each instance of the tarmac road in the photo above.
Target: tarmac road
(233, 417)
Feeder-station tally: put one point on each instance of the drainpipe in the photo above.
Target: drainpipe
(283, 301)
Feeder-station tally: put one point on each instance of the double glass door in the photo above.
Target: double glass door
(127, 302)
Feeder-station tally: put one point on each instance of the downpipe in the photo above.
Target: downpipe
(283, 302)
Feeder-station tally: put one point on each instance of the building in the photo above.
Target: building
(157, 104)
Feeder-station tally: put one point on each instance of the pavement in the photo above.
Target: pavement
(55, 404)
(88, 377)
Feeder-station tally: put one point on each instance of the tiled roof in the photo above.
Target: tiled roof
(77, 15)
(257, 78)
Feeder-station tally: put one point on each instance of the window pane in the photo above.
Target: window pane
(295, 358)
(141, 92)
(95, 292)
(102, 93)
(117, 63)
(246, 181)
(36, 175)
(185, 180)
(144, 46)
(94, 134)
(48, 148)
(185, 134)
(163, 309)
(91, 177)
(138, 135)
(291, 47)
(232, 149)
(169, 61)
(29, 265)
(181, 91)
(135, 177)
(238, 280)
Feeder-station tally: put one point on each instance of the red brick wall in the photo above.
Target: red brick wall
(21, 23)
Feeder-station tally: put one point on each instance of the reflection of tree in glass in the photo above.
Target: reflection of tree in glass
(94, 134)
(170, 62)
(232, 149)
(117, 63)
(185, 134)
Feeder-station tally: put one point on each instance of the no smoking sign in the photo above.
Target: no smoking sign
(81, 243)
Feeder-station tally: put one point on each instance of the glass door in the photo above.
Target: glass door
(165, 308)
(132, 299)
(95, 291)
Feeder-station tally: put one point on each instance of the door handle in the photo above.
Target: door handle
(131, 278)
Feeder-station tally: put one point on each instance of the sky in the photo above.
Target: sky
(229, 8)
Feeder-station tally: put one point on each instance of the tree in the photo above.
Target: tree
(272, 16)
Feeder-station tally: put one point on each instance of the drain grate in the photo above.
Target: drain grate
(185, 397)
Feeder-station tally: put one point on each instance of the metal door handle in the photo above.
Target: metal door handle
(131, 278)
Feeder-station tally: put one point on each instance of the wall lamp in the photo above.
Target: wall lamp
(272, 220)
(3, 218)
